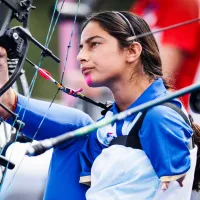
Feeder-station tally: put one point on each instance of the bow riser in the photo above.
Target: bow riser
(13, 39)
(16, 49)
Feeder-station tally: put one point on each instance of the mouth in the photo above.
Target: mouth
(86, 70)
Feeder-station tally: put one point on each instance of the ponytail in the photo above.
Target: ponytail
(196, 137)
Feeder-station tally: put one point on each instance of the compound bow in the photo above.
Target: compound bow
(16, 41)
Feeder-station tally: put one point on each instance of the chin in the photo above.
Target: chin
(91, 82)
(94, 84)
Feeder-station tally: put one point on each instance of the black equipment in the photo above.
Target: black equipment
(195, 101)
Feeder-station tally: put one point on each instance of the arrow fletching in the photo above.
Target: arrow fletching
(45, 74)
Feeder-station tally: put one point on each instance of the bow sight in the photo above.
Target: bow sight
(16, 39)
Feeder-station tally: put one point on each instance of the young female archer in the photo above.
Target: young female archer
(132, 71)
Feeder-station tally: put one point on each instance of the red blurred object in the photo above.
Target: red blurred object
(44, 73)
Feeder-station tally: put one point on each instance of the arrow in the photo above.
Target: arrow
(75, 93)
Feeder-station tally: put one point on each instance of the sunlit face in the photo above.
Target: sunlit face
(102, 61)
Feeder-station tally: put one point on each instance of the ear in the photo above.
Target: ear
(133, 52)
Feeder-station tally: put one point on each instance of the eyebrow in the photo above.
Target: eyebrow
(91, 38)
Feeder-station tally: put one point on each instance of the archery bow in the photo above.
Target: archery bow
(65, 64)
(45, 52)
(16, 40)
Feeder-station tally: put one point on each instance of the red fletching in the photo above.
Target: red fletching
(45, 74)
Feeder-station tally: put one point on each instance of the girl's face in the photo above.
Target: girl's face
(102, 61)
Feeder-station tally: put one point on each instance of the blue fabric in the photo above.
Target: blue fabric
(165, 142)
(64, 170)
(164, 136)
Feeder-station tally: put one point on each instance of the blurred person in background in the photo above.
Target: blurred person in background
(179, 46)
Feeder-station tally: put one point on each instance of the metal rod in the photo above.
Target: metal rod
(45, 50)
(163, 29)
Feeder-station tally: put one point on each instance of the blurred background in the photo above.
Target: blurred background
(31, 177)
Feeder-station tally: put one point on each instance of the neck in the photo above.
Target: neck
(127, 92)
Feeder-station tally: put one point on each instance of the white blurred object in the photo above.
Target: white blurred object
(134, 177)
(30, 179)
(195, 195)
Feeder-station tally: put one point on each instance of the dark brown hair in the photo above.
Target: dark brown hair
(115, 25)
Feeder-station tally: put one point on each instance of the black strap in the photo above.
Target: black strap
(108, 105)
(133, 140)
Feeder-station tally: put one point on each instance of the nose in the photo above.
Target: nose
(82, 56)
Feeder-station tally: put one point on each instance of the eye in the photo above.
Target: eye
(80, 46)
(94, 44)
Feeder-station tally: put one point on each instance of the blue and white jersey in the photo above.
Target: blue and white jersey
(164, 137)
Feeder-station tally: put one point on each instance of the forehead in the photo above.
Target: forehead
(93, 29)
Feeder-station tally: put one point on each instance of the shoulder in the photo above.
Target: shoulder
(166, 120)
(162, 112)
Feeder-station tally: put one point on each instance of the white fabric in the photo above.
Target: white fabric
(120, 173)
(195, 195)
(123, 173)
